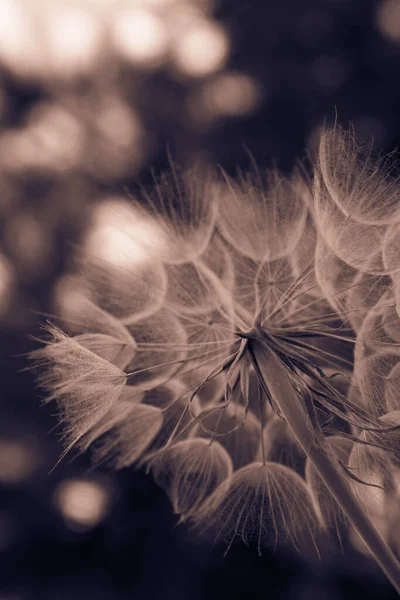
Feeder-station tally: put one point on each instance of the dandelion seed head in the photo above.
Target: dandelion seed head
(249, 348)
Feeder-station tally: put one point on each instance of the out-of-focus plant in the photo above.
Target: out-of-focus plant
(90, 92)
(239, 337)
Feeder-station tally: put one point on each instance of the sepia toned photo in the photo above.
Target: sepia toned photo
(199, 299)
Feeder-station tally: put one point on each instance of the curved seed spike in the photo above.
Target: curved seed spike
(265, 503)
(359, 183)
(126, 433)
(189, 471)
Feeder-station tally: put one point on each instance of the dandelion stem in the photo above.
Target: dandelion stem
(276, 379)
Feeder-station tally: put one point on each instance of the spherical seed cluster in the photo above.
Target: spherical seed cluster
(255, 285)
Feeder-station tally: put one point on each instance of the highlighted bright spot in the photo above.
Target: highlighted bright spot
(82, 502)
(202, 50)
(140, 37)
(18, 460)
(231, 94)
(75, 39)
(122, 237)
(16, 37)
(388, 20)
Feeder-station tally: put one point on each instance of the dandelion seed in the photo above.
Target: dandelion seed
(124, 291)
(334, 277)
(359, 184)
(373, 376)
(346, 236)
(391, 247)
(391, 323)
(265, 503)
(128, 398)
(193, 288)
(189, 471)
(390, 255)
(126, 432)
(156, 364)
(183, 204)
(262, 221)
(365, 293)
(85, 385)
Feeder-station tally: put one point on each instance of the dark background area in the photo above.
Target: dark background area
(74, 132)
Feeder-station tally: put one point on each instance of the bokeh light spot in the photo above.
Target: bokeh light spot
(140, 37)
(18, 47)
(120, 236)
(19, 459)
(388, 20)
(74, 39)
(82, 502)
(202, 50)
(231, 94)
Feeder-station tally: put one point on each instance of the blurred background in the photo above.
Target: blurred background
(94, 94)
